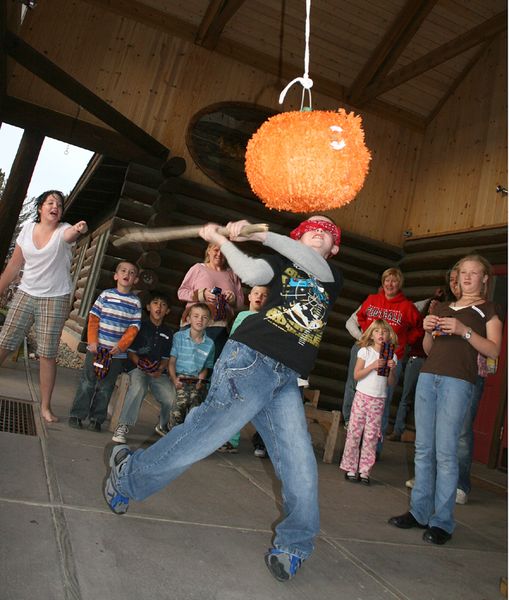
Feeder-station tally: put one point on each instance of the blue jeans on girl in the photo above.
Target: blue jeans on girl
(441, 404)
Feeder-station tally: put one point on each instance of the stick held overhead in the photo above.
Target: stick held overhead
(161, 234)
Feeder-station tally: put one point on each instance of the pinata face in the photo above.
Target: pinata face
(308, 161)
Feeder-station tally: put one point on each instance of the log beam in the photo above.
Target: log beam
(17, 185)
(45, 69)
(66, 129)
(216, 17)
(443, 53)
(390, 47)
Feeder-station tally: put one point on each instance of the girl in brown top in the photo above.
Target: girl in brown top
(454, 335)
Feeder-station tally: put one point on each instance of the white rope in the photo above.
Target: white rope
(305, 80)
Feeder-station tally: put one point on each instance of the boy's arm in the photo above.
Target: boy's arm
(126, 340)
(173, 372)
(201, 375)
(92, 332)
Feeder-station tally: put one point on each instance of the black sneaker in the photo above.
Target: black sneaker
(282, 565)
(75, 423)
(94, 425)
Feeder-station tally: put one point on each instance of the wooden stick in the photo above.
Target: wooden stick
(161, 234)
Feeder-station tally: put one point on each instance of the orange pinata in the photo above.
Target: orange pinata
(308, 161)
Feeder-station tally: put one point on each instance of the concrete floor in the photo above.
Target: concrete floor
(204, 536)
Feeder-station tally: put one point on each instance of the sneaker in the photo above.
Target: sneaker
(120, 433)
(260, 452)
(228, 448)
(94, 425)
(75, 423)
(346, 426)
(282, 565)
(409, 483)
(115, 500)
(461, 496)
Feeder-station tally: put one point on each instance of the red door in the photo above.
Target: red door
(490, 433)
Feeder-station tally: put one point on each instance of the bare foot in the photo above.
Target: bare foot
(49, 417)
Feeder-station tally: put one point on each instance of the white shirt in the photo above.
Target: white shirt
(47, 270)
(373, 384)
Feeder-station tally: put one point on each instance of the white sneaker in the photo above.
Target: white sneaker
(409, 483)
(461, 497)
(260, 452)
(120, 433)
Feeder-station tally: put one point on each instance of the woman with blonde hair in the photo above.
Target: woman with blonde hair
(214, 283)
(454, 335)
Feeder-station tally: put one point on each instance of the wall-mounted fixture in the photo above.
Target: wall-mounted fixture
(501, 190)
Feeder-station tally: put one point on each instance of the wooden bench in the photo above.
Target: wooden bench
(327, 419)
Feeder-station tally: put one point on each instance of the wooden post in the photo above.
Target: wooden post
(17, 186)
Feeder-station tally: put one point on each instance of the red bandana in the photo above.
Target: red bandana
(306, 226)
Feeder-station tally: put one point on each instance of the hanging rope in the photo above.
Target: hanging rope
(305, 80)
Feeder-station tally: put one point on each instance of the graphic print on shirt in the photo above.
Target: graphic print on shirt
(304, 307)
(392, 316)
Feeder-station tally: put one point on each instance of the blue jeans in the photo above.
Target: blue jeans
(349, 385)
(441, 404)
(412, 370)
(466, 441)
(93, 394)
(162, 389)
(246, 386)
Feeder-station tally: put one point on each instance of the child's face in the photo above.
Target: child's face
(126, 276)
(380, 336)
(471, 277)
(258, 297)
(158, 309)
(319, 239)
(198, 319)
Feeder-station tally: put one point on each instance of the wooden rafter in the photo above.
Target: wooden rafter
(3, 55)
(457, 82)
(443, 53)
(217, 15)
(390, 47)
(52, 74)
(161, 21)
(61, 127)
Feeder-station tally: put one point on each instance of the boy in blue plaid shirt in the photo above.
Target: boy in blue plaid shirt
(192, 355)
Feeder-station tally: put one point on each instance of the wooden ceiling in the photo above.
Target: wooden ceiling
(399, 57)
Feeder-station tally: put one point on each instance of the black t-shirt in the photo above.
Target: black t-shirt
(152, 342)
(290, 326)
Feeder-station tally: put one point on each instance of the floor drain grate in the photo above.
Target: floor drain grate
(17, 416)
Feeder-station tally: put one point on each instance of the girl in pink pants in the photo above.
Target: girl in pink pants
(369, 401)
